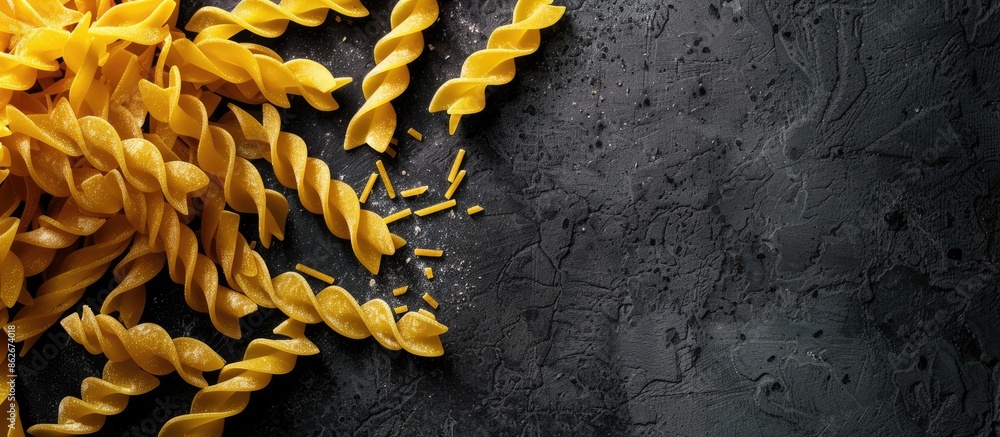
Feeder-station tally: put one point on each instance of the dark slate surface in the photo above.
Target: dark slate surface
(740, 218)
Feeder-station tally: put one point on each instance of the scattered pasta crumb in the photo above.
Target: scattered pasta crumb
(435, 208)
(390, 151)
(397, 216)
(368, 188)
(430, 300)
(394, 142)
(475, 209)
(400, 291)
(314, 273)
(401, 309)
(415, 134)
(428, 252)
(454, 185)
(385, 179)
(414, 191)
(456, 165)
(429, 272)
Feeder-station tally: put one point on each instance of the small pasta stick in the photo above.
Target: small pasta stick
(435, 208)
(429, 272)
(428, 252)
(314, 273)
(368, 188)
(385, 179)
(394, 142)
(414, 191)
(430, 301)
(391, 152)
(454, 185)
(400, 291)
(401, 309)
(475, 209)
(457, 165)
(416, 135)
(397, 216)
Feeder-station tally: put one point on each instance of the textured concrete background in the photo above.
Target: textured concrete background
(732, 218)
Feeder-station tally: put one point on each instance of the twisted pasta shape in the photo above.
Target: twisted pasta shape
(99, 398)
(494, 65)
(141, 162)
(253, 74)
(244, 188)
(375, 122)
(417, 333)
(77, 271)
(265, 18)
(147, 345)
(135, 355)
(318, 192)
(263, 359)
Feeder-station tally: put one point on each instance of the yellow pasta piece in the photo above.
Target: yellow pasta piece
(375, 122)
(314, 273)
(397, 216)
(135, 355)
(415, 134)
(394, 142)
(429, 273)
(430, 300)
(99, 397)
(414, 191)
(428, 252)
(390, 151)
(263, 359)
(454, 185)
(385, 179)
(475, 209)
(267, 19)
(400, 291)
(494, 65)
(400, 309)
(436, 208)
(369, 236)
(456, 165)
(368, 188)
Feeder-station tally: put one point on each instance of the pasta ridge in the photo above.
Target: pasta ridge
(494, 65)
(147, 344)
(99, 398)
(230, 396)
(318, 192)
(266, 18)
(375, 121)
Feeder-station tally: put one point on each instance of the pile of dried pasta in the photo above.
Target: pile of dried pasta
(107, 142)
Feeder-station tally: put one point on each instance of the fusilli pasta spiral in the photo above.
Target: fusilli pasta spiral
(246, 271)
(147, 344)
(266, 18)
(318, 192)
(494, 65)
(263, 359)
(375, 122)
(99, 398)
